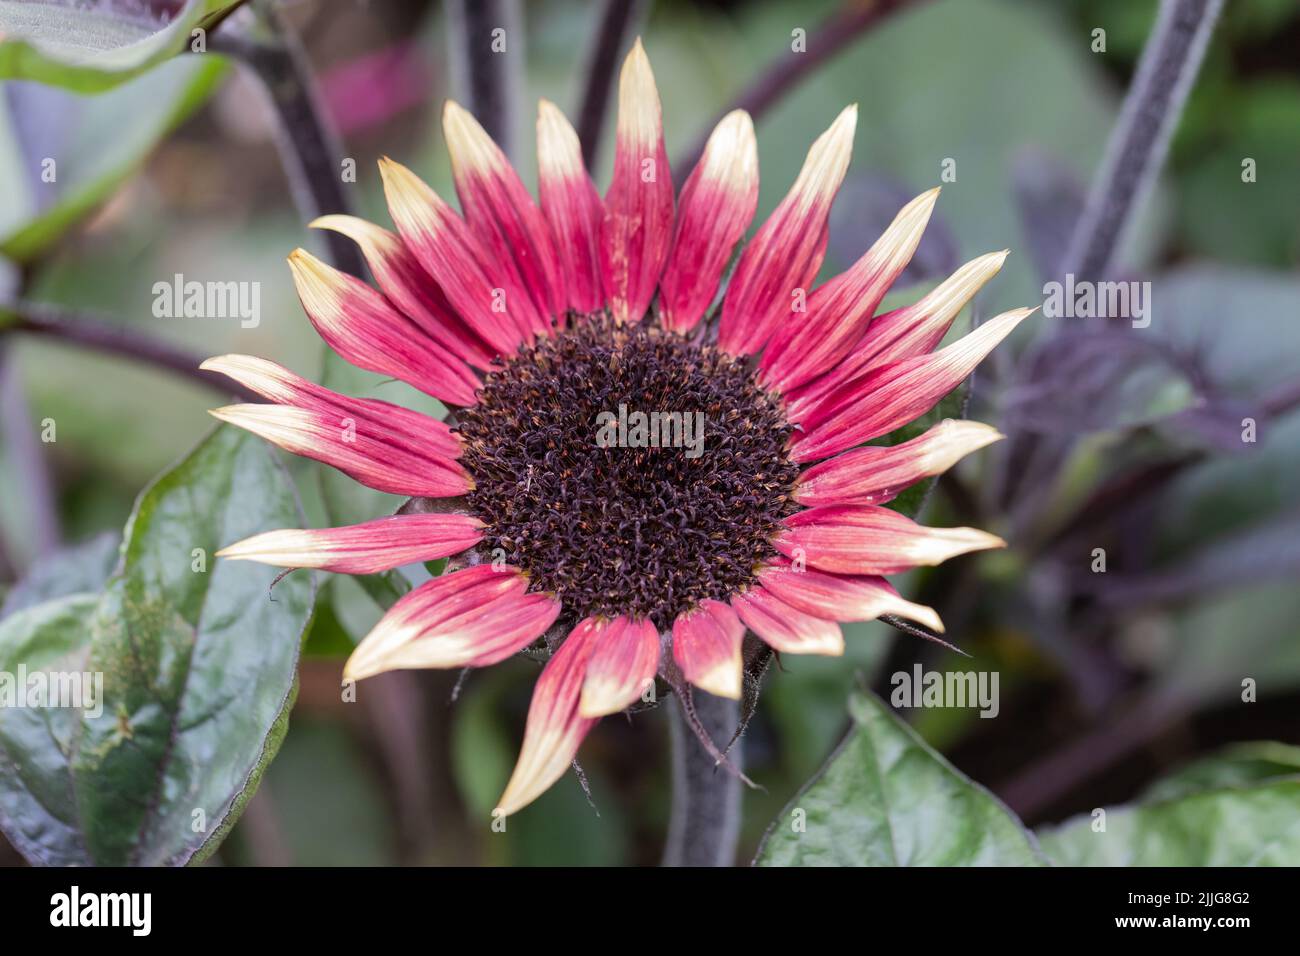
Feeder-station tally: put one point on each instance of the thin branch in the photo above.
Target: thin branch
(1033, 791)
(1140, 140)
(485, 45)
(1281, 399)
(1134, 154)
(786, 72)
(606, 44)
(401, 730)
(89, 332)
(308, 144)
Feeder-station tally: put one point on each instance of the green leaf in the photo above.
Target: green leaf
(89, 49)
(74, 570)
(94, 146)
(1239, 765)
(38, 805)
(887, 799)
(1231, 826)
(198, 663)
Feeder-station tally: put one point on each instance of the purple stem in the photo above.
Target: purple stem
(609, 40)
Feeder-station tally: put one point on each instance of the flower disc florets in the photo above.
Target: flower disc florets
(628, 470)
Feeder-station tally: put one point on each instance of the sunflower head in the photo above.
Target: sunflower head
(644, 460)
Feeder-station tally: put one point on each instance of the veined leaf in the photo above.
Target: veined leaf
(198, 665)
(1230, 826)
(887, 799)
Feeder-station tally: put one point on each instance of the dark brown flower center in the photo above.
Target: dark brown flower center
(628, 470)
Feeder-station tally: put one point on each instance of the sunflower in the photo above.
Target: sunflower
(630, 473)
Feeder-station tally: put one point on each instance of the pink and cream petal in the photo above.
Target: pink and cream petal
(444, 245)
(717, 205)
(868, 539)
(623, 662)
(409, 431)
(363, 327)
(919, 328)
(367, 548)
(639, 203)
(784, 628)
(336, 441)
(839, 311)
(893, 395)
(503, 216)
(840, 597)
(554, 728)
(572, 207)
(876, 474)
(911, 330)
(273, 381)
(781, 261)
(411, 289)
(707, 648)
(469, 618)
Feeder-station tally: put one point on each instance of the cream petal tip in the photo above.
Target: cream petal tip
(638, 98)
(354, 670)
(721, 682)
(920, 614)
(925, 200)
(982, 540)
(973, 430)
(595, 707)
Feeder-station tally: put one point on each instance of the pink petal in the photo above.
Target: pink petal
(707, 647)
(786, 252)
(868, 539)
(895, 394)
(469, 618)
(555, 728)
(717, 205)
(624, 658)
(842, 597)
(406, 284)
(876, 474)
(360, 325)
(503, 216)
(444, 245)
(912, 330)
(639, 204)
(784, 628)
(839, 311)
(367, 548)
(411, 432)
(573, 208)
(373, 460)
